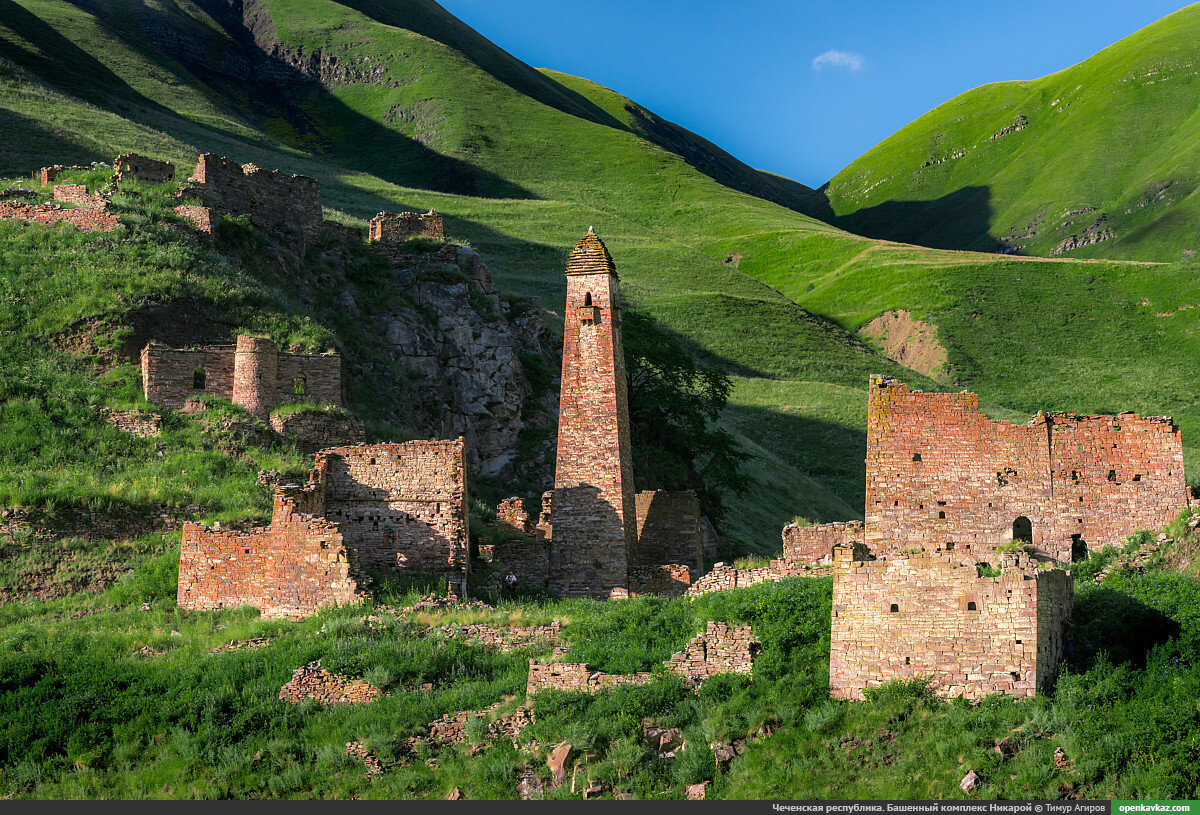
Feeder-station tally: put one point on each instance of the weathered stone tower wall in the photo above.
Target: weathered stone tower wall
(931, 615)
(387, 227)
(401, 507)
(252, 374)
(255, 373)
(594, 515)
(668, 530)
(940, 472)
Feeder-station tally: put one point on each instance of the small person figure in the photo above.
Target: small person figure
(510, 582)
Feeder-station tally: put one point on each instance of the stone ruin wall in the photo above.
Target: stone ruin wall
(668, 527)
(78, 195)
(391, 227)
(1113, 475)
(720, 649)
(314, 430)
(252, 374)
(813, 545)
(668, 530)
(931, 615)
(940, 472)
(92, 219)
(132, 167)
(290, 569)
(401, 507)
(269, 198)
(48, 175)
(326, 687)
(662, 579)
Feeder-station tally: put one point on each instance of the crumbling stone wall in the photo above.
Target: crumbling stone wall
(595, 528)
(48, 175)
(87, 220)
(401, 507)
(131, 166)
(134, 422)
(724, 577)
(269, 198)
(78, 195)
(668, 530)
(312, 682)
(506, 640)
(813, 545)
(252, 374)
(576, 676)
(289, 569)
(314, 430)
(940, 472)
(664, 580)
(511, 512)
(720, 649)
(529, 559)
(930, 614)
(389, 227)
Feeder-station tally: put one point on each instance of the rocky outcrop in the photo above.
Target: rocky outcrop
(1095, 232)
(465, 348)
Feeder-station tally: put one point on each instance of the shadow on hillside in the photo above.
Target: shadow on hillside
(293, 108)
(832, 455)
(28, 144)
(960, 220)
(429, 20)
(1121, 627)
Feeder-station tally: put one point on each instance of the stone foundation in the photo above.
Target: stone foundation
(86, 220)
(720, 649)
(311, 682)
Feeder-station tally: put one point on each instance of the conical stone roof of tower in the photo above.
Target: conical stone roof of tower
(590, 256)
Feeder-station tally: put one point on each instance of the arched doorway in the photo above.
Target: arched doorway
(1023, 530)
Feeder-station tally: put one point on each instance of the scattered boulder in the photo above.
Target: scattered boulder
(971, 781)
(1060, 758)
(529, 786)
(696, 792)
(1006, 747)
(595, 788)
(455, 795)
(723, 753)
(557, 762)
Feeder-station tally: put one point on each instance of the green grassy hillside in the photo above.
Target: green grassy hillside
(397, 105)
(1103, 151)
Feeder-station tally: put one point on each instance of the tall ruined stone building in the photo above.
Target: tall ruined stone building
(593, 505)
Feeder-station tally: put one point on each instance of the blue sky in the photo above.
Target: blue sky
(803, 88)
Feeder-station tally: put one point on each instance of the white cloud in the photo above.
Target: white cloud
(840, 59)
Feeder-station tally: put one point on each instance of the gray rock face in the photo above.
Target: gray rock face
(461, 344)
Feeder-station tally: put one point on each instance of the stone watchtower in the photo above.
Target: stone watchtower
(593, 504)
(255, 371)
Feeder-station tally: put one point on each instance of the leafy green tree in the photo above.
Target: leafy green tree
(673, 404)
